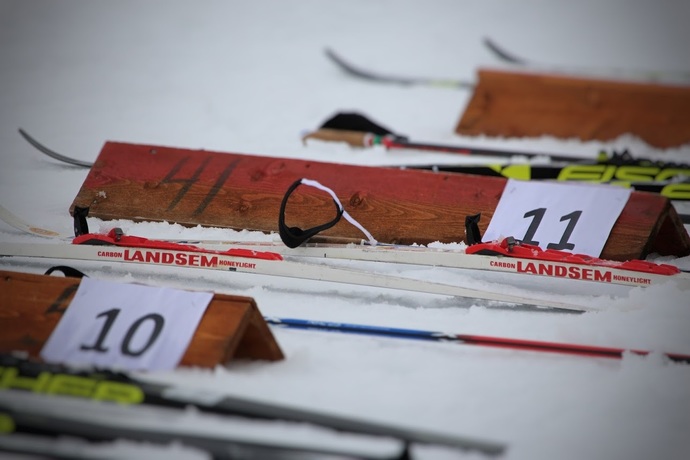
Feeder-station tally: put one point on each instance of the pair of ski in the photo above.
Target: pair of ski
(113, 248)
(37, 398)
(279, 260)
(252, 257)
(507, 57)
(40, 401)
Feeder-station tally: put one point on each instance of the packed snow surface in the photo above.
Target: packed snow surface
(251, 77)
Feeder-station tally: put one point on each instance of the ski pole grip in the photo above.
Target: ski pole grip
(354, 138)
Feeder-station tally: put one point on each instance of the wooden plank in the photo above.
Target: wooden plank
(31, 306)
(518, 104)
(197, 187)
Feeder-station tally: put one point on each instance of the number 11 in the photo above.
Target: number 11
(537, 215)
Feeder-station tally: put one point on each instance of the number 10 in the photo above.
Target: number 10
(125, 345)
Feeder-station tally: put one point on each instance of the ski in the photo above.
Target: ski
(508, 57)
(222, 437)
(522, 259)
(371, 75)
(116, 248)
(19, 373)
(468, 339)
(666, 179)
(495, 257)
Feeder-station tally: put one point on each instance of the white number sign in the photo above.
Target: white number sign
(573, 217)
(126, 326)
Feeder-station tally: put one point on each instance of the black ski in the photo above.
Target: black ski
(371, 75)
(221, 437)
(508, 57)
(610, 171)
(101, 384)
(53, 154)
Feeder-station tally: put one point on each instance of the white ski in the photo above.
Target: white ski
(260, 263)
(610, 273)
(451, 258)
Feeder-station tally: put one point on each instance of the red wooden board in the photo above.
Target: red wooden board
(197, 187)
(231, 328)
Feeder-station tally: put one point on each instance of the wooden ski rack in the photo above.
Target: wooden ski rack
(198, 187)
(519, 104)
(31, 306)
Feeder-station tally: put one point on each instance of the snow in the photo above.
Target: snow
(251, 77)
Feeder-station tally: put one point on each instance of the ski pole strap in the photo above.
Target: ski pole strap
(295, 236)
(80, 225)
(472, 233)
(66, 270)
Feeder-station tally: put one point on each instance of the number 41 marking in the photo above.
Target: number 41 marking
(537, 215)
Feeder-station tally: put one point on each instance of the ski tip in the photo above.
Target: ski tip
(346, 66)
(55, 155)
(501, 53)
(333, 55)
(32, 140)
(400, 80)
(25, 135)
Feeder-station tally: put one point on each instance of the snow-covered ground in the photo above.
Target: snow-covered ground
(250, 77)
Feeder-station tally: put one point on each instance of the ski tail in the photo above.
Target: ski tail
(502, 53)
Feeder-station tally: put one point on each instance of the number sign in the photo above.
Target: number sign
(126, 326)
(573, 217)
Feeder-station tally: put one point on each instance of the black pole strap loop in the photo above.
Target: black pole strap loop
(80, 225)
(66, 270)
(472, 232)
(295, 236)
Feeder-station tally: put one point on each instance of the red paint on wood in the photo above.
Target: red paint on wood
(197, 187)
